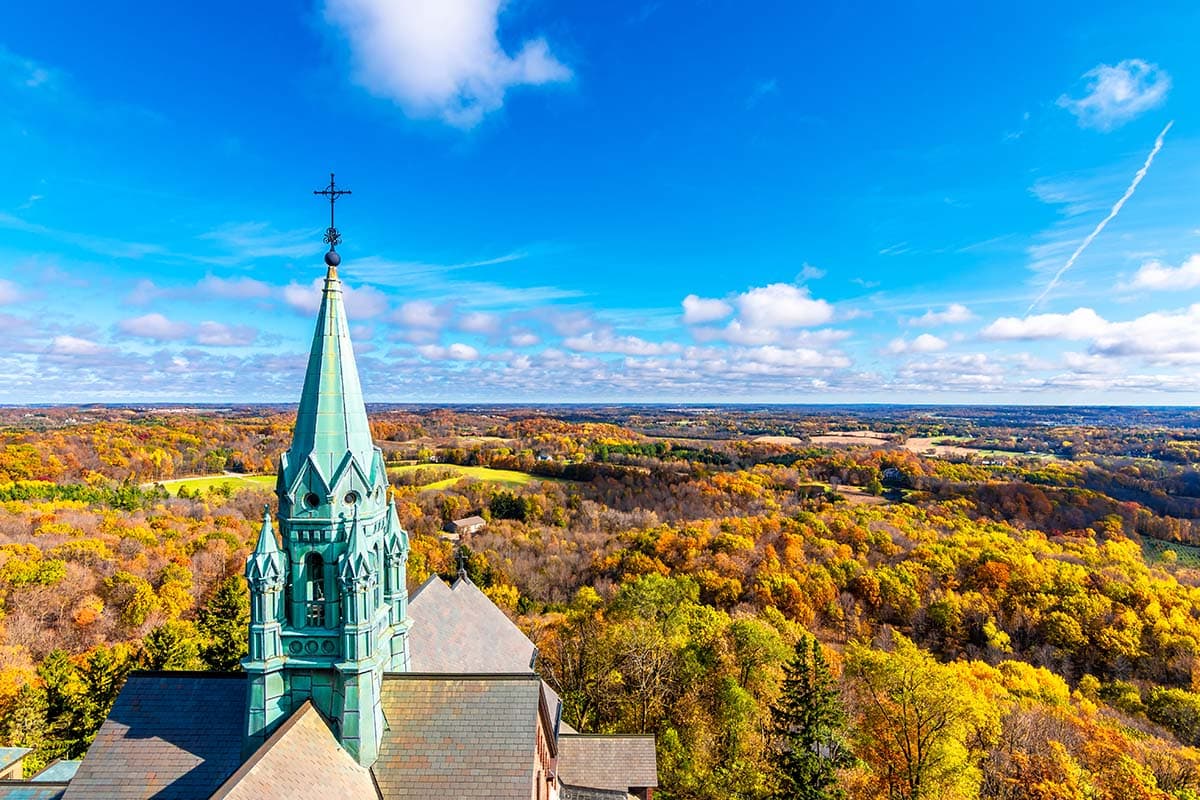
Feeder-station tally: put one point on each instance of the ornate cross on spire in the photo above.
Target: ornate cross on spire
(332, 237)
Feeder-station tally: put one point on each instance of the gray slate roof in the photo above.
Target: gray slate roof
(58, 771)
(301, 760)
(458, 629)
(31, 790)
(619, 763)
(460, 736)
(170, 735)
(11, 755)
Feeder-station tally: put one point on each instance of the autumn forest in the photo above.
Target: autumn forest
(821, 602)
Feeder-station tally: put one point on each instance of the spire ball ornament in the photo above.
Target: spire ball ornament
(332, 259)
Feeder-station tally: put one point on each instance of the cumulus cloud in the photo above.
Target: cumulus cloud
(422, 314)
(925, 343)
(455, 352)
(781, 305)
(1159, 276)
(439, 58)
(524, 339)
(216, 334)
(605, 342)
(479, 322)
(1082, 323)
(1117, 94)
(953, 314)
(74, 346)
(154, 326)
(698, 310)
(1171, 337)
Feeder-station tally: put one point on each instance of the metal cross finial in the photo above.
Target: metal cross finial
(461, 558)
(332, 237)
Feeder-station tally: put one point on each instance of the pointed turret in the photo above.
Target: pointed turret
(356, 572)
(265, 565)
(332, 420)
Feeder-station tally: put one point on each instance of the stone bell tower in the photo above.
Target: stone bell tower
(329, 601)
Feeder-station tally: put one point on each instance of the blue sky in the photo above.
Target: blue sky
(666, 201)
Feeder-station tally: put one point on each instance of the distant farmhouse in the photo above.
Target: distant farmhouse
(351, 689)
(466, 525)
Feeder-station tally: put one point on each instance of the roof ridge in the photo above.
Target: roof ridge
(257, 756)
(184, 673)
(498, 676)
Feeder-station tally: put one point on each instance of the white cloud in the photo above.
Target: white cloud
(1117, 94)
(479, 322)
(810, 273)
(455, 352)
(422, 314)
(74, 346)
(698, 310)
(954, 314)
(524, 339)
(605, 342)
(781, 305)
(1082, 323)
(789, 358)
(1170, 337)
(154, 326)
(216, 334)
(1159, 276)
(439, 58)
(925, 343)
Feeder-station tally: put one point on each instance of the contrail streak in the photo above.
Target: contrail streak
(1116, 209)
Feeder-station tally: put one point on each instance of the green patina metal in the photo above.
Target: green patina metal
(329, 607)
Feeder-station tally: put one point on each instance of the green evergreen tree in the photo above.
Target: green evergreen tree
(808, 721)
(25, 725)
(172, 645)
(223, 623)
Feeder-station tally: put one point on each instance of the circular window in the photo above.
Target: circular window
(351, 498)
(311, 500)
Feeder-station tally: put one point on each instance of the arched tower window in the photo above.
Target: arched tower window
(379, 573)
(314, 597)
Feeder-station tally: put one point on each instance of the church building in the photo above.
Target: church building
(350, 689)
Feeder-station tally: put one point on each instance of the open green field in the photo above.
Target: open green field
(1185, 554)
(206, 482)
(503, 477)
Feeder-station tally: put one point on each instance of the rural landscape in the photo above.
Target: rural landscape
(973, 602)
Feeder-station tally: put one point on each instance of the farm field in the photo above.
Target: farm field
(205, 482)
(503, 477)
(781, 440)
(943, 446)
(851, 437)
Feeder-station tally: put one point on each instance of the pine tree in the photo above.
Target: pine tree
(223, 623)
(172, 645)
(808, 722)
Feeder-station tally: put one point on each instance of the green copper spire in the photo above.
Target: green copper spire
(330, 617)
(332, 421)
(266, 563)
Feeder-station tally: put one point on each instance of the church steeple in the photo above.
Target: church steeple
(337, 630)
(332, 421)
